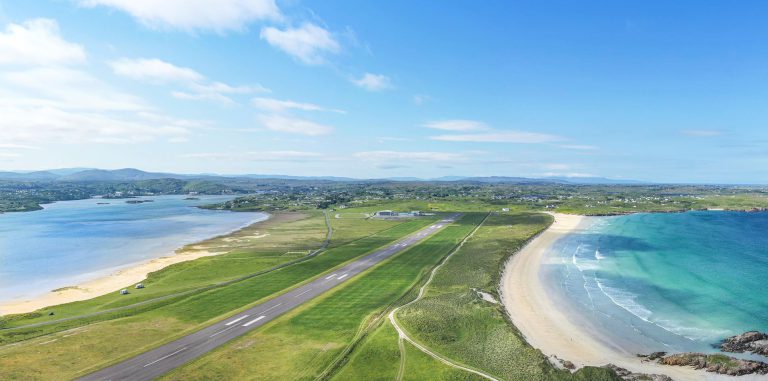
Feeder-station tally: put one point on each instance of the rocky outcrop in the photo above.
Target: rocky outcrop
(752, 341)
(716, 363)
(627, 375)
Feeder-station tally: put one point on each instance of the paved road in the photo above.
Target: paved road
(152, 364)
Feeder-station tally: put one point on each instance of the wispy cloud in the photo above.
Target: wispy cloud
(278, 105)
(500, 137)
(579, 147)
(411, 156)
(373, 82)
(308, 43)
(52, 100)
(293, 125)
(457, 125)
(154, 70)
(192, 15)
(197, 86)
(701, 133)
(38, 42)
(292, 156)
(420, 99)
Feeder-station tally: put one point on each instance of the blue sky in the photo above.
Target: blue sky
(651, 90)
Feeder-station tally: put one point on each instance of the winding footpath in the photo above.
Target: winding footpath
(403, 335)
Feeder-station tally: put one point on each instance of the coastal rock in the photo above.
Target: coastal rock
(752, 341)
(630, 376)
(716, 363)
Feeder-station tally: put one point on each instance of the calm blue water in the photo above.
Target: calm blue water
(670, 282)
(72, 241)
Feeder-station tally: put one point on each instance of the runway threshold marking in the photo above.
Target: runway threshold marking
(237, 320)
(164, 357)
(254, 321)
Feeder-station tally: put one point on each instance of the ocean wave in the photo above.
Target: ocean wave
(625, 299)
(628, 302)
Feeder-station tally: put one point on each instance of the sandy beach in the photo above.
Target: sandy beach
(126, 276)
(548, 327)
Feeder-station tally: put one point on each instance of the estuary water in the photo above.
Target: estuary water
(665, 282)
(70, 242)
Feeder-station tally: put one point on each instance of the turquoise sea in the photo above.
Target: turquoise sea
(72, 241)
(665, 282)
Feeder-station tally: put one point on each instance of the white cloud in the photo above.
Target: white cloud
(157, 71)
(295, 156)
(277, 105)
(63, 88)
(37, 42)
(17, 146)
(191, 15)
(373, 82)
(47, 102)
(459, 125)
(308, 43)
(500, 137)
(294, 125)
(154, 70)
(701, 133)
(410, 156)
(48, 124)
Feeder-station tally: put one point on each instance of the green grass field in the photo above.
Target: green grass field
(64, 353)
(303, 343)
(454, 321)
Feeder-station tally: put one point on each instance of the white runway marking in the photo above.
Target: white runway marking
(303, 293)
(330, 276)
(165, 357)
(272, 308)
(222, 331)
(254, 320)
(237, 320)
(343, 276)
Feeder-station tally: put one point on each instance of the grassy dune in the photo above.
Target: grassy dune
(300, 345)
(67, 354)
(453, 320)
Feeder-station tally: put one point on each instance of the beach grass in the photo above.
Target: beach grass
(307, 341)
(453, 320)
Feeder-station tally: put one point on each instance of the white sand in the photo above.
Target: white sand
(546, 327)
(101, 286)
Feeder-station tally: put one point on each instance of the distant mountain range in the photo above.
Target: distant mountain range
(132, 174)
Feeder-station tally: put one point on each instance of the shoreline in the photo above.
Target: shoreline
(118, 277)
(549, 327)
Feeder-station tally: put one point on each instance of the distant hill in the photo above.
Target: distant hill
(132, 174)
(126, 174)
(29, 176)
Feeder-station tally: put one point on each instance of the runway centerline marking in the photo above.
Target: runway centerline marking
(222, 331)
(272, 308)
(303, 293)
(164, 357)
(343, 276)
(237, 320)
(330, 276)
(254, 321)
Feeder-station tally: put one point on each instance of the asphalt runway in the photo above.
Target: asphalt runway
(156, 362)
